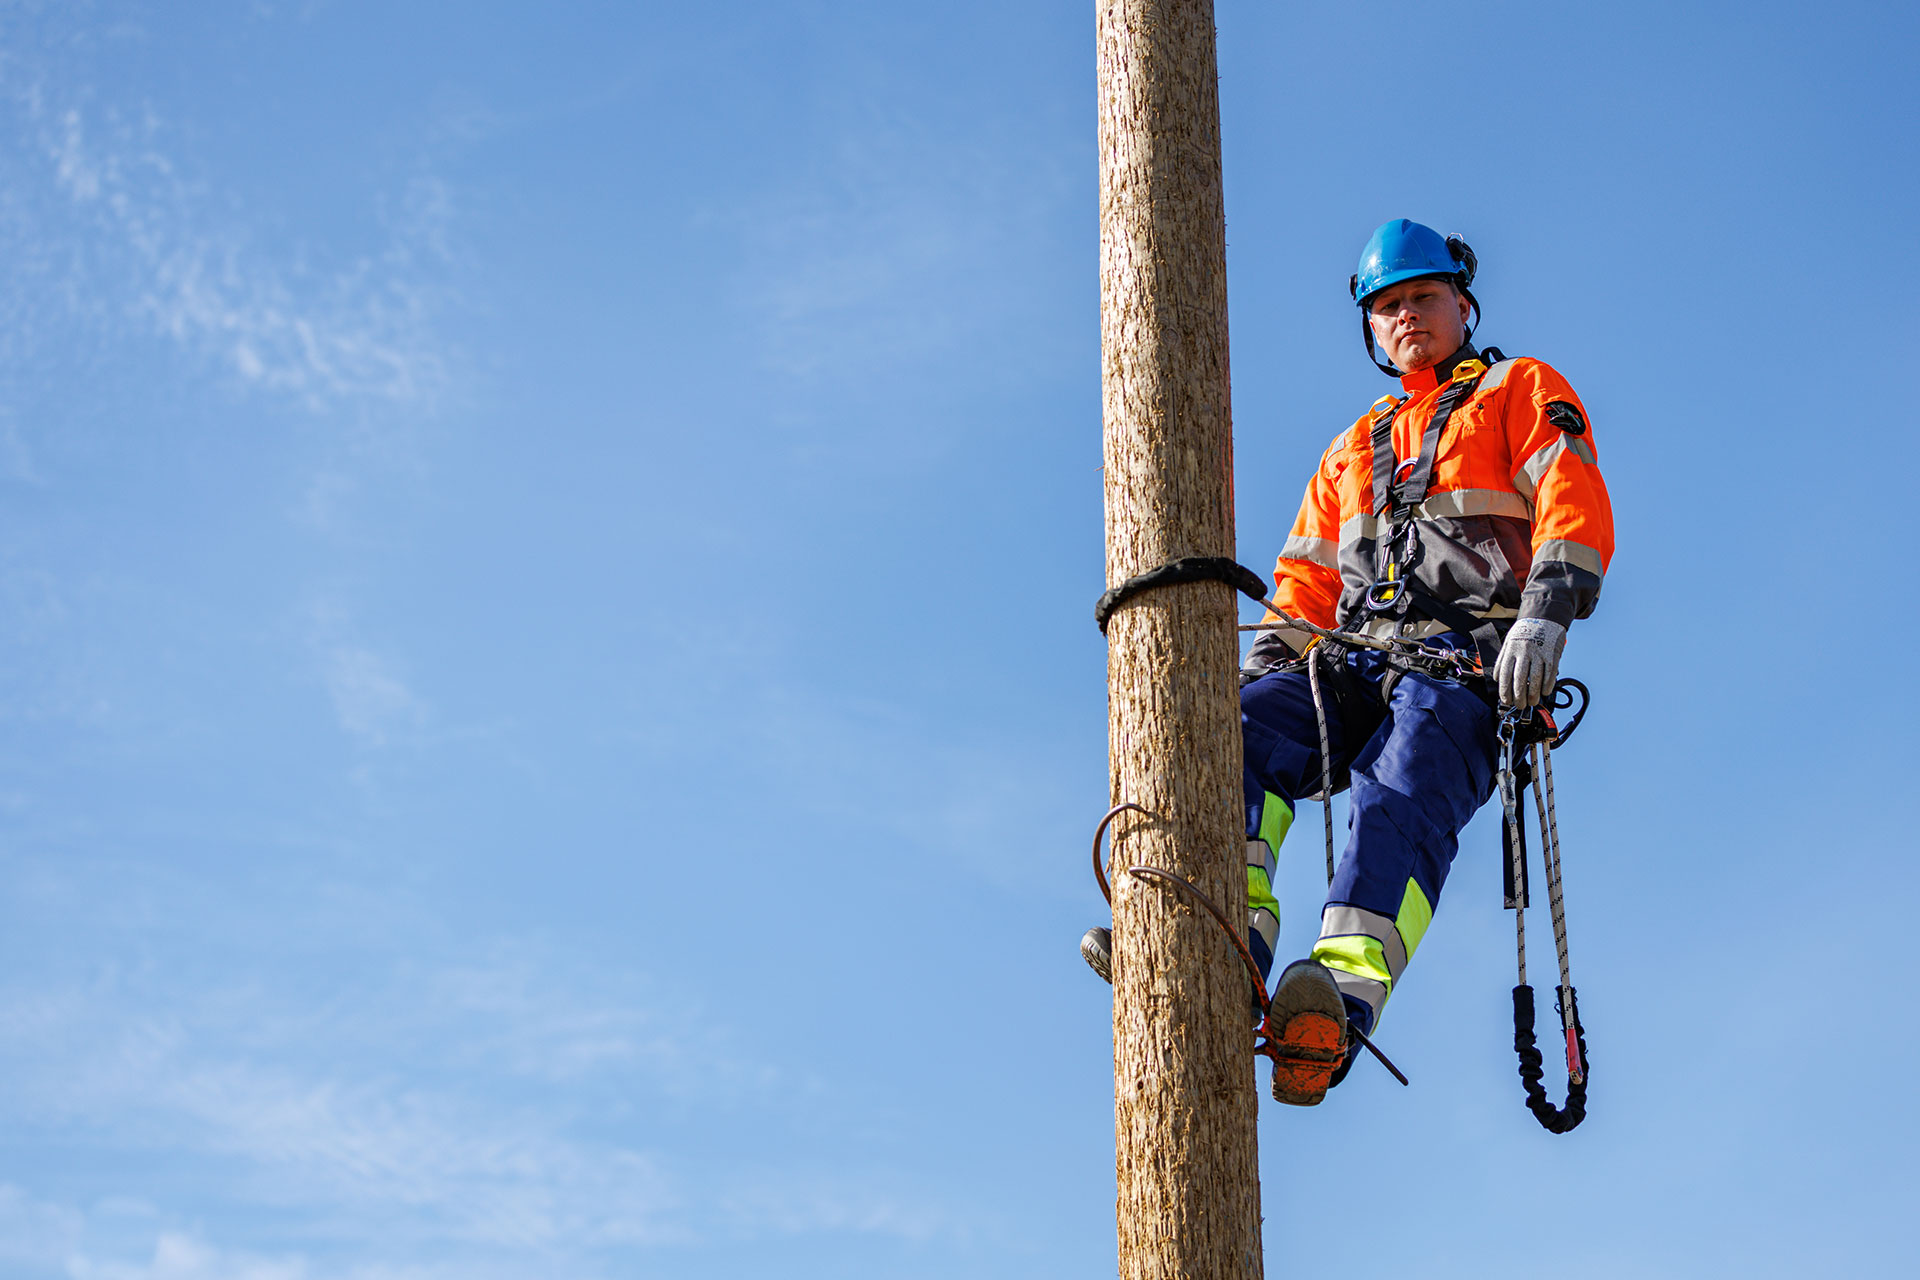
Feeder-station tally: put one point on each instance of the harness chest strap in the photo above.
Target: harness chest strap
(1392, 591)
(1399, 501)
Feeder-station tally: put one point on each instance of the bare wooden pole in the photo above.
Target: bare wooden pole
(1185, 1105)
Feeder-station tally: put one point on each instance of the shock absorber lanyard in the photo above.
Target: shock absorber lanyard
(1521, 733)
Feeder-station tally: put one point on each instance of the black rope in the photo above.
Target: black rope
(1538, 723)
(1552, 1119)
(1563, 700)
(1189, 569)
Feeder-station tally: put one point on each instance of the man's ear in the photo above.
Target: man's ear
(1466, 308)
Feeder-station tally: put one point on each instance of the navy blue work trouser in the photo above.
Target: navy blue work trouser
(1421, 763)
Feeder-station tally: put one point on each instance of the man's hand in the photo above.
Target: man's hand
(1529, 661)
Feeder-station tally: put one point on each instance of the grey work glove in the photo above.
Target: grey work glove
(1529, 662)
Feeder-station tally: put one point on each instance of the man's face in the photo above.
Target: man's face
(1418, 323)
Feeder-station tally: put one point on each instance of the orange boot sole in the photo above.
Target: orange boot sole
(1309, 1049)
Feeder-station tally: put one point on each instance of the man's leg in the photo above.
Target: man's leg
(1416, 782)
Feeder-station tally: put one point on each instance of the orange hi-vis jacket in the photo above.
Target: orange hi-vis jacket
(1513, 521)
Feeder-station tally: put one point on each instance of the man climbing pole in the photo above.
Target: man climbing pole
(1467, 521)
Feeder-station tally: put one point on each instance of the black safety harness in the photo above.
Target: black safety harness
(1399, 487)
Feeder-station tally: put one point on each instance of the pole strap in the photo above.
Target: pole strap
(1173, 573)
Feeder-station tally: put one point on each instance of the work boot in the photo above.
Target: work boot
(1096, 948)
(1307, 1022)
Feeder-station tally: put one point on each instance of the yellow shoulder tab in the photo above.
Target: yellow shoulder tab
(1467, 370)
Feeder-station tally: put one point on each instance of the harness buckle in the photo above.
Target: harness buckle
(1383, 593)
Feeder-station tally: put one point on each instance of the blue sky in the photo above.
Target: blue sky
(549, 713)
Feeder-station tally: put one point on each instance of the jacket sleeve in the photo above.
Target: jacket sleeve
(1306, 577)
(1557, 470)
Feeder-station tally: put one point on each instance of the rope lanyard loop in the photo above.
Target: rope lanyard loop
(1536, 736)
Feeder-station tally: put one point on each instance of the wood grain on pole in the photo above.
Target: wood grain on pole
(1185, 1104)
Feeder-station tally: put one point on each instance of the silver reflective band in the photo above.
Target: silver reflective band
(1493, 377)
(1368, 991)
(1346, 922)
(1259, 855)
(1320, 551)
(1266, 924)
(1527, 478)
(1454, 504)
(1473, 502)
(1577, 554)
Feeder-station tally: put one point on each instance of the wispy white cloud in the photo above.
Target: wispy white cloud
(120, 1240)
(358, 330)
(367, 689)
(178, 1255)
(472, 1108)
(34, 1232)
(482, 1177)
(106, 218)
(528, 1023)
(369, 697)
(833, 1201)
(305, 1109)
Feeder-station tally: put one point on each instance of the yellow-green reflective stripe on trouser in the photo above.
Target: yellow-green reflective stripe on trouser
(1263, 910)
(1366, 951)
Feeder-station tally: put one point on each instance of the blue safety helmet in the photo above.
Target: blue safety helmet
(1407, 250)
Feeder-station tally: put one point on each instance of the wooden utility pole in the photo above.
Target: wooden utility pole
(1183, 1072)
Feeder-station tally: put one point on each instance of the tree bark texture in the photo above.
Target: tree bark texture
(1185, 1103)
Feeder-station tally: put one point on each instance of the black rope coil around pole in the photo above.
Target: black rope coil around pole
(1552, 1119)
(1173, 573)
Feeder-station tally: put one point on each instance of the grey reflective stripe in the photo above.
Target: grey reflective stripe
(1368, 991)
(1266, 924)
(1320, 551)
(1259, 855)
(1493, 377)
(1339, 921)
(1527, 478)
(1473, 502)
(1454, 504)
(1577, 554)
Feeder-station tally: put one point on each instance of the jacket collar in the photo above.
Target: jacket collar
(1424, 380)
